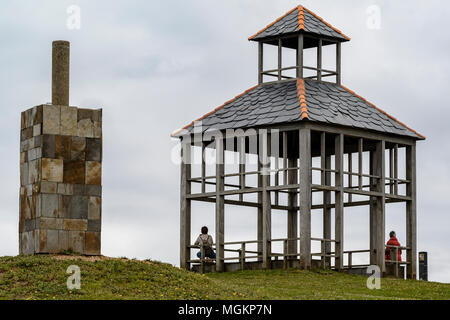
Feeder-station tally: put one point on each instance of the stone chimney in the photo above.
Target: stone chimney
(60, 171)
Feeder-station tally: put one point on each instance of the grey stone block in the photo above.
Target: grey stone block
(94, 212)
(93, 190)
(52, 241)
(48, 187)
(48, 146)
(63, 240)
(93, 149)
(94, 225)
(76, 241)
(79, 207)
(49, 205)
(51, 119)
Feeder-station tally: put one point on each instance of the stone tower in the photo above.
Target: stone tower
(60, 171)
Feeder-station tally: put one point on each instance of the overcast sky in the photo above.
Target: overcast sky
(154, 66)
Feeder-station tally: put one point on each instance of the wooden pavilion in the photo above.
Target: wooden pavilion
(312, 138)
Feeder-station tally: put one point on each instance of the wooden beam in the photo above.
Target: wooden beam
(280, 59)
(350, 176)
(396, 169)
(338, 63)
(300, 56)
(372, 211)
(260, 213)
(266, 200)
(360, 162)
(411, 213)
(305, 197)
(292, 217)
(319, 61)
(203, 168)
(220, 205)
(380, 170)
(339, 200)
(326, 180)
(260, 61)
(185, 206)
(241, 166)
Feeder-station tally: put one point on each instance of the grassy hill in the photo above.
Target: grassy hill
(44, 277)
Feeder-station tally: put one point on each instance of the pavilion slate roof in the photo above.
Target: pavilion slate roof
(296, 20)
(300, 100)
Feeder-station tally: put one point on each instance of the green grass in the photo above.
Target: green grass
(44, 277)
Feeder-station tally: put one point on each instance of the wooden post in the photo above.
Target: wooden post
(319, 61)
(338, 63)
(360, 162)
(373, 210)
(285, 252)
(260, 213)
(242, 256)
(391, 171)
(305, 197)
(185, 205)
(280, 59)
(203, 168)
(350, 176)
(300, 56)
(220, 204)
(266, 201)
(292, 218)
(339, 200)
(411, 212)
(396, 169)
(242, 166)
(326, 181)
(380, 168)
(202, 259)
(350, 260)
(260, 61)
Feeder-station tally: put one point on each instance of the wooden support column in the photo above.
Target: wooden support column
(241, 166)
(260, 61)
(326, 181)
(300, 56)
(305, 198)
(411, 212)
(260, 214)
(185, 206)
(350, 175)
(380, 171)
(338, 63)
(292, 218)
(396, 169)
(266, 201)
(203, 168)
(319, 61)
(280, 59)
(360, 162)
(220, 204)
(373, 210)
(339, 200)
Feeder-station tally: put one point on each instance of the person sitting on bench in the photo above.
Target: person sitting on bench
(205, 240)
(393, 241)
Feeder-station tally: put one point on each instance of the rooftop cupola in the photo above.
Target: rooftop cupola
(299, 29)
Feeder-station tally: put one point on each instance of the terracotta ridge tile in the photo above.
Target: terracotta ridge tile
(301, 18)
(213, 111)
(271, 24)
(335, 29)
(302, 98)
(384, 112)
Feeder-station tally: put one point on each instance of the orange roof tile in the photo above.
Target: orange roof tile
(302, 98)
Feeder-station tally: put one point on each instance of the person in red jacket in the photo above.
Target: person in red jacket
(393, 241)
